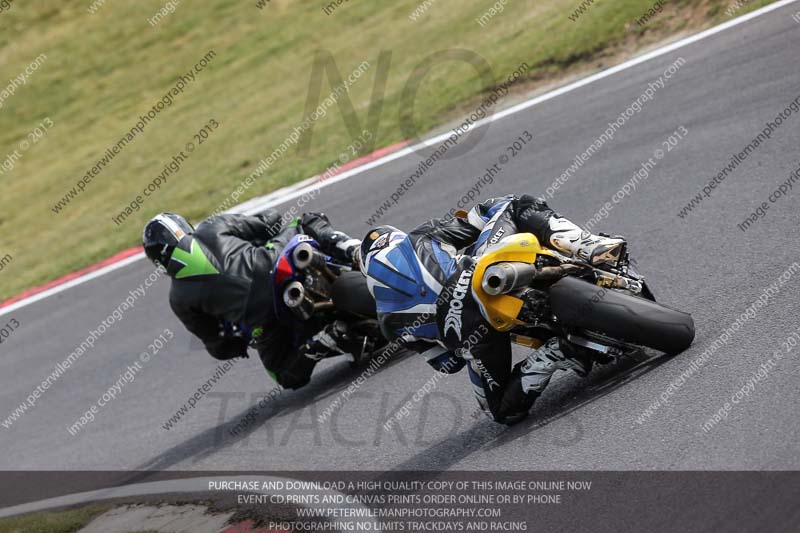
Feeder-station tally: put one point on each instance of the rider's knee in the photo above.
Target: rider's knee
(292, 382)
(527, 201)
(447, 363)
(504, 414)
(222, 355)
(510, 418)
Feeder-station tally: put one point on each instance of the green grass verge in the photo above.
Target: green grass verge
(103, 70)
(51, 522)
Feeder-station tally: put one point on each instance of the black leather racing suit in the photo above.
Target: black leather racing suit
(464, 331)
(244, 251)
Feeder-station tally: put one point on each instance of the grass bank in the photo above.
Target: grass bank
(102, 66)
(66, 521)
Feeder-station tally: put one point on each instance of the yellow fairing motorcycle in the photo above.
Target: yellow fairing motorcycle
(535, 292)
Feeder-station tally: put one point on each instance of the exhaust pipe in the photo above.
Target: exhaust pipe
(503, 278)
(305, 256)
(296, 299)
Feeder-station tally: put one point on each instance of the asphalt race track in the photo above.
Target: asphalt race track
(729, 86)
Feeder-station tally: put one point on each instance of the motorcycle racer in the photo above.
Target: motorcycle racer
(222, 288)
(422, 288)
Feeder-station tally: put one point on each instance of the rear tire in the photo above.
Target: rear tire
(579, 304)
(351, 294)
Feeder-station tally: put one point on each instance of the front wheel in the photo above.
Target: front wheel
(579, 304)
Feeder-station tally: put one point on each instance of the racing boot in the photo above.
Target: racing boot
(537, 369)
(575, 242)
(323, 344)
(296, 372)
(334, 339)
(531, 376)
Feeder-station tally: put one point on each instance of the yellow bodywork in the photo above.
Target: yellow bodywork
(503, 309)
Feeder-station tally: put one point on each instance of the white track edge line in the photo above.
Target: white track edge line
(271, 199)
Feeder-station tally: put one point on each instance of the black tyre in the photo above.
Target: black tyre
(579, 304)
(350, 294)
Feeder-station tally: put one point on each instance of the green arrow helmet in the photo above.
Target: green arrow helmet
(161, 236)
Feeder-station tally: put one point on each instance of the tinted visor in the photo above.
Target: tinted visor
(162, 234)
